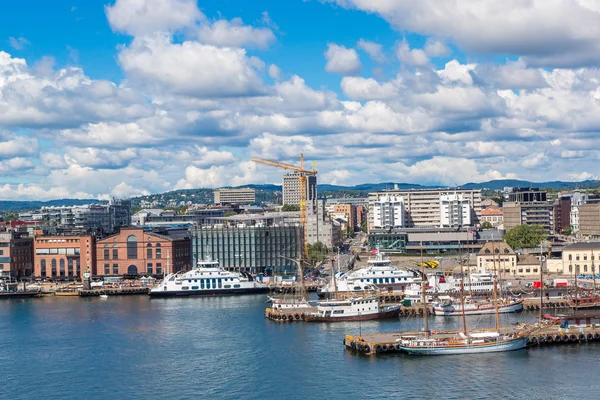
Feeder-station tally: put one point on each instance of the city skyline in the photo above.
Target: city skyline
(131, 97)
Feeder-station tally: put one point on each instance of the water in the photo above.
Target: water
(223, 348)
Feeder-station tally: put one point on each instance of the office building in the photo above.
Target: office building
(160, 217)
(234, 196)
(526, 195)
(533, 213)
(562, 214)
(589, 220)
(63, 257)
(291, 190)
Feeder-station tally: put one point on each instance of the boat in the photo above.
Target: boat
(104, 296)
(207, 279)
(379, 274)
(448, 308)
(354, 309)
(288, 304)
(465, 342)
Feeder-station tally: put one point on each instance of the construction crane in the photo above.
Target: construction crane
(302, 180)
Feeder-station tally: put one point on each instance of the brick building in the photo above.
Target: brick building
(16, 254)
(134, 251)
(349, 211)
(63, 257)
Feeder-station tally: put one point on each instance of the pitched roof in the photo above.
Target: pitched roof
(527, 259)
(492, 210)
(583, 246)
(496, 247)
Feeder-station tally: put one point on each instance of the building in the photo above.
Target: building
(160, 217)
(577, 199)
(291, 189)
(361, 215)
(534, 213)
(455, 210)
(423, 208)
(581, 258)
(526, 195)
(235, 196)
(430, 240)
(16, 255)
(589, 220)
(97, 218)
(249, 243)
(321, 227)
(527, 265)
(562, 214)
(134, 251)
(349, 211)
(388, 212)
(499, 256)
(493, 215)
(63, 257)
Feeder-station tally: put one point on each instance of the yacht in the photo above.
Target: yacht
(379, 273)
(355, 309)
(207, 279)
(447, 307)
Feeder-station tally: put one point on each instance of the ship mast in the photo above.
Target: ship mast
(541, 283)
(462, 289)
(424, 292)
(494, 280)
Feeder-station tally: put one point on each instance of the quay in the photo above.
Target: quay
(125, 291)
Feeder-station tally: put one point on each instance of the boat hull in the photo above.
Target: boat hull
(516, 344)
(380, 315)
(19, 295)
(208, 293)
(447, 311)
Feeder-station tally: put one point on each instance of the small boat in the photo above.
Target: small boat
(448, 308)
(104, 296)
(355, 309)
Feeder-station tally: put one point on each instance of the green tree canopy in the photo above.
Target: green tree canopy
(317, 252)
(290, 207)
(486, 225)
(525, 236)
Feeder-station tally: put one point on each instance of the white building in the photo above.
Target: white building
(291, 188)
(455, 210)
(235, 196)
(577, 199)
(388, 212)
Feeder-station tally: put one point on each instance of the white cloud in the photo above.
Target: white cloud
(435, 48)
(342, 60)
(235, 34)
(368, 88)
(190, 68)
(123, 190)
(140, 17)
(414, 57)
(15, 146)
(374, 50)
(18, 43)
(275, 72)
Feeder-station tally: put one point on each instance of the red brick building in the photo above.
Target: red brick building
(134, 251)
(63, 257)
(16, 254)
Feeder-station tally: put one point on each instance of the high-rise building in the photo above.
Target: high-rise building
(529, 213)
(235, 196)
(562, 214)
(423, 208)
(455, 210)
(291, 190)
(589, 220)
(388, 212)
(526, 195)
(321, 228)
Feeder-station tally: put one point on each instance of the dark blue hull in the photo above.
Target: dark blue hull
(212, 292)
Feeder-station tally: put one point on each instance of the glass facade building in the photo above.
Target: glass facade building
(249, 248)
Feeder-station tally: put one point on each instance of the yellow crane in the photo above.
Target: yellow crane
(302, 180)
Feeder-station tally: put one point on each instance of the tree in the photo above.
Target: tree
(525, 236)
(364, 226)
(316, 253)
(567, 231)
(486, 225)
(290, 207)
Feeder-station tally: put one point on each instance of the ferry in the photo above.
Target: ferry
(379, 273)
(356, 309)
(207, 279)
(480, 283)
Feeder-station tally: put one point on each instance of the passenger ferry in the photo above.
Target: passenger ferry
(480, 283)
(207, 279)
(378, 273)
(356, 309)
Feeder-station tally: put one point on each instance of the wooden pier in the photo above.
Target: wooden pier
(126, 291)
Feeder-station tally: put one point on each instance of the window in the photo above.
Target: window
(53, 268)
(115, 269)
(149, 251)
(70, 266)
(149, 268)
(78, 265)
(570, 257)
(570, 268)
(585, 268)
(115, 254)
(106, 254)
(158, 251)
(158, 268)
(577, 257)
(43, 268)
(585, 257)
(131, 247)
(106, 269)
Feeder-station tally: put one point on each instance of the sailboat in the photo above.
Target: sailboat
(466, 341)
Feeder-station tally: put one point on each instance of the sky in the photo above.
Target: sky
(122, 98)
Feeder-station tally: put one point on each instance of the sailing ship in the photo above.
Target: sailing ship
(465, 342)
(446, 307)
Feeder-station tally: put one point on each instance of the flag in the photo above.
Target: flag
(428, 264)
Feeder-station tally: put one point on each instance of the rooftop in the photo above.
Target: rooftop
(583, 246)
(497, 248)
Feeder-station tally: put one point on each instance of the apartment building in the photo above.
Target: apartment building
(235, 196)
(16, 254)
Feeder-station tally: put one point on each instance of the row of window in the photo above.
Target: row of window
(585, 257)
(577, 269)
(209, 284)
(66, 250)
(383, 280)
(61, 267)
(132, 253)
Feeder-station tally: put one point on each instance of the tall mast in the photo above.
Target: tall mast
(495, 283)
(462, 289)
(333, 276)
(424, 292)
(541, 283)
(470, 285)
(593, 274)
(576, 288)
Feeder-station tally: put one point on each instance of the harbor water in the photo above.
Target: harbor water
(223, 348)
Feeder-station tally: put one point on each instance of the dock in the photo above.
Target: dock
(126, 291)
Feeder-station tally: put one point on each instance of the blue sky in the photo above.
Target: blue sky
(127, 97)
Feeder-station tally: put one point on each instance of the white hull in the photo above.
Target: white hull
(475, 309)
(515, 344)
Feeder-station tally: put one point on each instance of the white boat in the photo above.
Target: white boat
(484, 342)
(288, 304)
(355, 309)
(448, 308)
(479, 283)
(104, 296)
(207, 279)
(378, 273)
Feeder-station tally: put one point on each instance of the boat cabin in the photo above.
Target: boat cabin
(580, 320)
